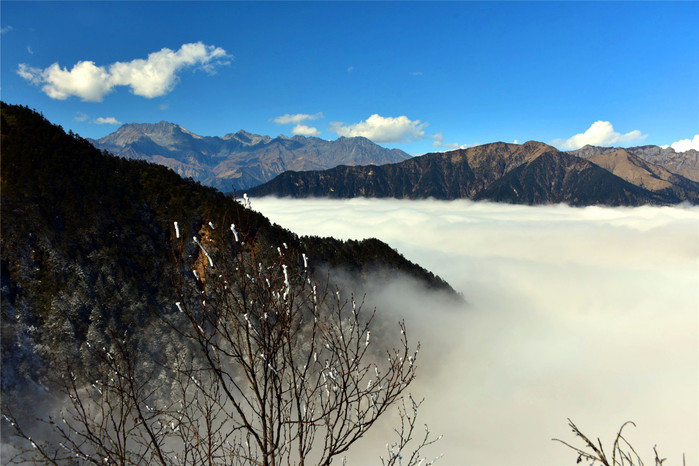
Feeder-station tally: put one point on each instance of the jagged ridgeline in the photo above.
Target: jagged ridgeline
(86, 244)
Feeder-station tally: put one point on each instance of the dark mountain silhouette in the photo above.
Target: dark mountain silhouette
(531, 173)
(239, 160)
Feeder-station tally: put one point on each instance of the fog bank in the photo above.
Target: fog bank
(587, 313)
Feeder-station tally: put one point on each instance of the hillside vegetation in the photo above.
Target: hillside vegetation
(86, 245)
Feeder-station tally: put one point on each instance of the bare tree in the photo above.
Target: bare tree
(109, 418)
(285, 371)
(622, 452)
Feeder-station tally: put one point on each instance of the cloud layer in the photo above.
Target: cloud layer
(155, 76)
(587, 313)
(600, 133)
(382, 129)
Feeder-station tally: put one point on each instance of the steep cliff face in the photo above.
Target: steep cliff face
(239, 160)
(530, 173)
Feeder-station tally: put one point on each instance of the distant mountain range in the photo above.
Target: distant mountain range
(239, 160)
(530, 173)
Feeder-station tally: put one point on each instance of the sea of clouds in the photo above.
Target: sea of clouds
(583, 313)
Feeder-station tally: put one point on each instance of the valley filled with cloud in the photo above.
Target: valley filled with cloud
(581, 313)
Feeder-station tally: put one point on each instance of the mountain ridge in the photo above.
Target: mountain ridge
(238, 160)
(529, 173)
(685, 163)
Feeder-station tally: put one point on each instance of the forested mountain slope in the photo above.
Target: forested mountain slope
(87, 245)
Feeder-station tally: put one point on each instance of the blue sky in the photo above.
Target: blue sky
(419, 76)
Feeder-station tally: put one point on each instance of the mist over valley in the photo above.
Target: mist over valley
(582, 313)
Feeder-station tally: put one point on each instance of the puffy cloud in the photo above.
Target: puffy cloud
(296, 118)
(382, 129)
(85, 80)
(152, 77)
(600, 133)
(304, 130)
(686, 144)
(5, 29)
(107, 121)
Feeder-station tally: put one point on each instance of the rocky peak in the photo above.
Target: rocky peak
(682, 163)
(246, 138)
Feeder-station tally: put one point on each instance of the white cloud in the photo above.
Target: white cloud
(155, 76)
(85, 80)
(296, 118)
(382, 129)
(555, 325)
(80, 116)
(600, 133)
(686, 144)
(304, 130)
(5, 29)
(438, 141)
(107, 121)
(350, 69)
